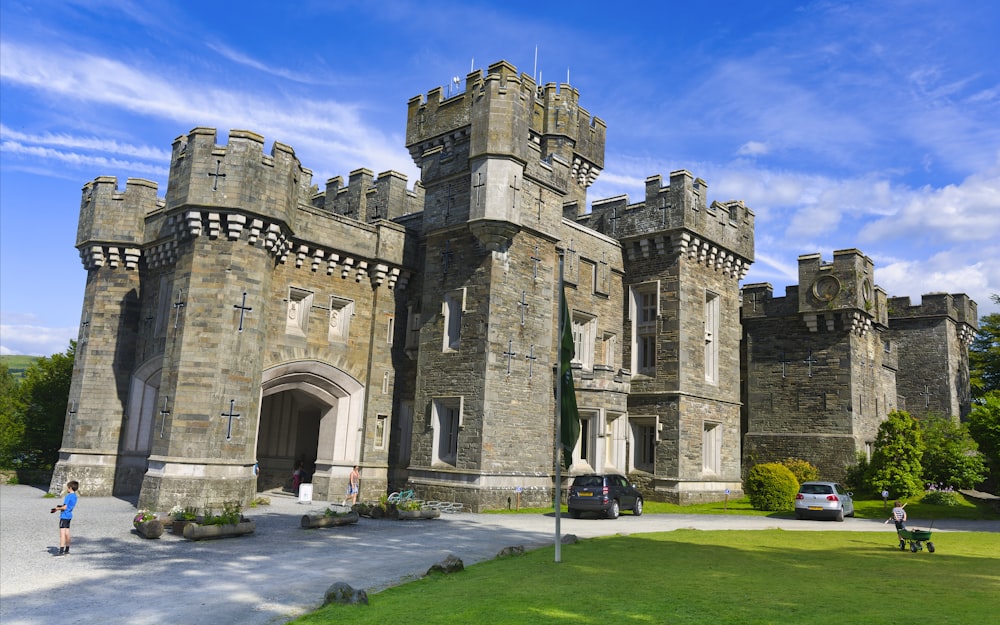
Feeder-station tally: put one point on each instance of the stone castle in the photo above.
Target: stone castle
(248, 321)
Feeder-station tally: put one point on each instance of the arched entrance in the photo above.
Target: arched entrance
(309, 411)
(144, 406)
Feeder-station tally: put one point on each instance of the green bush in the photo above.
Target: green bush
(771, 486)
(941, 498)
(801, 469)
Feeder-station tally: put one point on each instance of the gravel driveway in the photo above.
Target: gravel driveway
(114, 576)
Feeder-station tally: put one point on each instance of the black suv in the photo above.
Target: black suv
(606, 493)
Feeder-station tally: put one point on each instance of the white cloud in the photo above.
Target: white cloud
(328, 135)
(35, 340)
(753, 148)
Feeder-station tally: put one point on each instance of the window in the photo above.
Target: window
(390, 329)
(585, 446)
(447, 419)
(385, 382)
(644, 435)
(711, 337)
(584, 328)
(412, 327)
(381, 421)
(163, 304)
(404, 427)
(299, 304)
(452, 309)
(644, 309)
(712, 448)
(341, 312)
(609, 349)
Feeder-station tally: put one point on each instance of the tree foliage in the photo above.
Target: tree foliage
(11, 422)
(951, 457)
(895, 464)
(984, 427)
(984, 355)
(33, 412)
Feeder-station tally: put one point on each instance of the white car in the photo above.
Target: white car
(823, 500)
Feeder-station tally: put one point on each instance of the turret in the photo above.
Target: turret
(236, 176)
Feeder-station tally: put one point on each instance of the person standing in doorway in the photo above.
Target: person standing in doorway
(353, 485)
(66, 515)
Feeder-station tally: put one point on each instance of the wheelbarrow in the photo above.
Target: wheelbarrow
(915, 538)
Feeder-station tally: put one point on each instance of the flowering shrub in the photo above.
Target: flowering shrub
(940, 496)
(231, 515)
(179, 513)
(142, 516)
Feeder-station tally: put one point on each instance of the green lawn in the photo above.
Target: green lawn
(690, 577)
(864, 509)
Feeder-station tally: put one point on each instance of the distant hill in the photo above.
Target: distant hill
(17, 364)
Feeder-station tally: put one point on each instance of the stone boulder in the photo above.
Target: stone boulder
(506, 552)
(451, 564)
(343, 593)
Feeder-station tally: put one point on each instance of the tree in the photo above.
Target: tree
(44, 393)
(984, 427)
(951, 457)
(984, 355)
(895, 464)
(11, 418)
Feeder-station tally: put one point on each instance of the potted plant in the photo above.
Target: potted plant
(230, 522)
(181, 517)
(329, 518)
(410, 510)
(147, 525)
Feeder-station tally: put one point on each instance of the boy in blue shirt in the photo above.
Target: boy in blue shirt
(66, 515)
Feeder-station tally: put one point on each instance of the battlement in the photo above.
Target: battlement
(679, 206)
(367, 198)
(847, 283)
(111, 216)
(956, 306)
(236, 176)
(505, 113)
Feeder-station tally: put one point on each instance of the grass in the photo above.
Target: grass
(863, 509)
(690, 577)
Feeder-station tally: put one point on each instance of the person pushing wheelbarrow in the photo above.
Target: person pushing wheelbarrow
(915, 538)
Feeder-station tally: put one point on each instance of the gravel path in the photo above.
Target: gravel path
(114, 576)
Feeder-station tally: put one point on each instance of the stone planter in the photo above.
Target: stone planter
(177, 526)
(194, 531)
(311, 521)
(150, 529)
(412, 515)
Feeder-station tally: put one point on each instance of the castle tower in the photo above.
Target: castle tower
(819, 374)
(933, 340)
(109, 237)
(498, 161)
(683, 261)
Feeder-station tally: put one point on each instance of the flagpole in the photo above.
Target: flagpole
(559, 452)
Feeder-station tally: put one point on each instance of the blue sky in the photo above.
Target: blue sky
(873, 125)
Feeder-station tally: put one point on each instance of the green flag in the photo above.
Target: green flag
(569, 418)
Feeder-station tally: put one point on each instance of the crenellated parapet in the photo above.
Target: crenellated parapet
(238, 175)
(542, 131)
(676, 220)
(957, 307)
(841, 293)
(111, 227)
(368, 199)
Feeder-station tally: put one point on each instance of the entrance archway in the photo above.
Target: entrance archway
(310, 411)
(140, 426)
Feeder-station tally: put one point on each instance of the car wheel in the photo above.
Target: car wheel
(840, 515)
(930, 547)
(637, 508)
(574, 513)
(613, 509)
